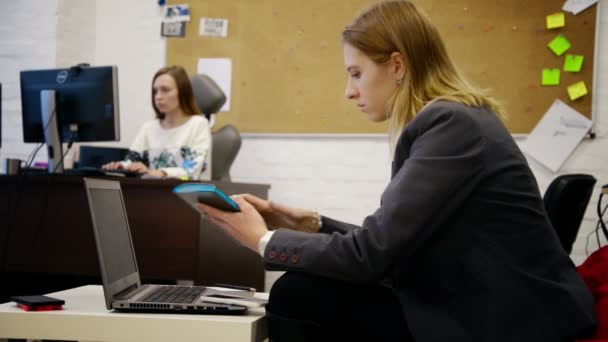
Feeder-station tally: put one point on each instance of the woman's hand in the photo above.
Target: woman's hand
(281, 216)
(157, 173)
(246, 226)
(138, 167)
(115, 165)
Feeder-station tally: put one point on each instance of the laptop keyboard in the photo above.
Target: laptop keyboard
(173, 294)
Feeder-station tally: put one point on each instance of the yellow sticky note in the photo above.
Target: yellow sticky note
(550, 77)
(577, 90)
(573, 63)
(559, 45)
(556, 20)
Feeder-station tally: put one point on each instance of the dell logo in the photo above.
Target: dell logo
(62, 76)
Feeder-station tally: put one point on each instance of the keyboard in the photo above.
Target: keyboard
(92, 171)
(173, 294)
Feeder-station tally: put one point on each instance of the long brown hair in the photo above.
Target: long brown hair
(184, 90)
(398, 26)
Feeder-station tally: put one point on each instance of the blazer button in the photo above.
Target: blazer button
(272, 254)
(283, 256)
(295, 259)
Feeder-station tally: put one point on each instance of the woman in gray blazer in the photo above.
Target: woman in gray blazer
(460, 248)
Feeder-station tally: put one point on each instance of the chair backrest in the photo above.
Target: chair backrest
(566, 200)
(208, 95)
(226, 145)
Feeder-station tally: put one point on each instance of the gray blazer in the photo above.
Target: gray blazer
(461, 236)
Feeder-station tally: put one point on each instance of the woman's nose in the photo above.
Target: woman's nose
(350, 93)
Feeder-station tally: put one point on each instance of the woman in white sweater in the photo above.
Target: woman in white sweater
(176, 143)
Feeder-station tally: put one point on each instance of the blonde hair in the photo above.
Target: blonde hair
(398, 26)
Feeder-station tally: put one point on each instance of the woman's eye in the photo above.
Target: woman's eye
(355, 75)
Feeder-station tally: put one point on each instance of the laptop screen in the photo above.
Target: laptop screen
(113, 234)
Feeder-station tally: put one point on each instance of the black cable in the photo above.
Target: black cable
(46, 125)
(30, 158)
(600, 214)
(70, 143)
(597, 235)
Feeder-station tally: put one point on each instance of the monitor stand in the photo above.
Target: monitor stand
(50, 127)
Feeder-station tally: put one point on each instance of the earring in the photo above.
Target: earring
(398, 81)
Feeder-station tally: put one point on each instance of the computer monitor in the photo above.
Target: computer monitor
(77, 104)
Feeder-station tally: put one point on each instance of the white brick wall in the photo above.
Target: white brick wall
(340, 176)
(28, 40)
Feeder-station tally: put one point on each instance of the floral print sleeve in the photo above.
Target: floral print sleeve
(189, 161)
(179, 152)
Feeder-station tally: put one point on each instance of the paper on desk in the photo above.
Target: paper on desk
(230, 292)
(556, 135)
(577, 6)
(220, 70)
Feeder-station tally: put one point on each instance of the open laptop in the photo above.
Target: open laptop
(122, 286)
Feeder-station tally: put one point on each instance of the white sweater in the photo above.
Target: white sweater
(180, 151)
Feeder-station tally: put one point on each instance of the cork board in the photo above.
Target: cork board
(288, 72)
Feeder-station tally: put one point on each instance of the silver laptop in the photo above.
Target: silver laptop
(122, 286)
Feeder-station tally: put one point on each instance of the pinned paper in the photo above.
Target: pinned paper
(559, 45)
(556, 20)
(550, 77)
(176, 13)
(573, 63)
(577, 90)
(577, 6)
(556, 135)
(220, 70)
(213, 27)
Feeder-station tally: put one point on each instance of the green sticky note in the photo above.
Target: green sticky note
(550, 77)
(577, 90)
(573, 63)
(559, 45)
(556, 20)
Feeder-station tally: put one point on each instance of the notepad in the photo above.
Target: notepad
(559, 45)
(550, 77)
(573, 63)
(556, 20)
(577, 90)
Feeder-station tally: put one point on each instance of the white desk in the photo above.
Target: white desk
(85, 318)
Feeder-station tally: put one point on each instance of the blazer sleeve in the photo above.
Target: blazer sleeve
(445, 163)
(330, 226)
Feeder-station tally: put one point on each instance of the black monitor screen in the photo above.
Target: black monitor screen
(86, 103)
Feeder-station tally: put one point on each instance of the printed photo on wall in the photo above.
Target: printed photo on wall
(176, 13)
(174, 29)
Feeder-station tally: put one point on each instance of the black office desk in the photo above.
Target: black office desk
(46, 228)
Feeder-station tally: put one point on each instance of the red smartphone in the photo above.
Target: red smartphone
(38, 303)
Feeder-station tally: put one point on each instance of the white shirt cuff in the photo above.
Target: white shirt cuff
(263, 242)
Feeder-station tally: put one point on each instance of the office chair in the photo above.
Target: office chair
(226, 142)
(226, 145)
(208, 95)
(565, 200)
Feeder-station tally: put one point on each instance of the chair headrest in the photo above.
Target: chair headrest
(208, 95)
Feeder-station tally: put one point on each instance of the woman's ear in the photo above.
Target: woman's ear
(398, 66)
